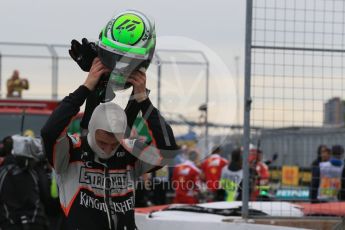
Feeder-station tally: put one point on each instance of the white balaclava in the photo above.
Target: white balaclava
(108, 117)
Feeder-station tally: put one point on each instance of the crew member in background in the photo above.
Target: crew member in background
(231, 179)
(324, 151)
(327, 177)
(211, 170)
(186, 180)
(259, 174)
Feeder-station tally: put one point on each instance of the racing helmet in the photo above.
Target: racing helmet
(126, 44)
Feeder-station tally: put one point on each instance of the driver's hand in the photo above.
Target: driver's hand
(138, 80)
(96, 71)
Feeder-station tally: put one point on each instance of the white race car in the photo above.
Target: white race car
(215, 216)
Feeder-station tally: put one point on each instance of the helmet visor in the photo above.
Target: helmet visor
(121, 67)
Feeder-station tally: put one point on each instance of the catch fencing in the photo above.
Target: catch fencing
(294, 91)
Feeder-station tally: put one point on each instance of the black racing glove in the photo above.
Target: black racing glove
(83, 54)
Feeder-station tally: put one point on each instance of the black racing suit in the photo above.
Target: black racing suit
(98, 194)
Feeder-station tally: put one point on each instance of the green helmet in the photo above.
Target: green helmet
(126, 44)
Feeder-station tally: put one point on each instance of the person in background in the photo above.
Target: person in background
(262, 169)
(181, 156)
(24, 188)
(326, 179)
(143, 188)
(160, 185)
(259, 175)
(319, 151)
(15, 85)
(231, 179)
(211, 169)
(325, 154)
(7, 145)
(341, 195)
(186, 180)
(179, 159)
